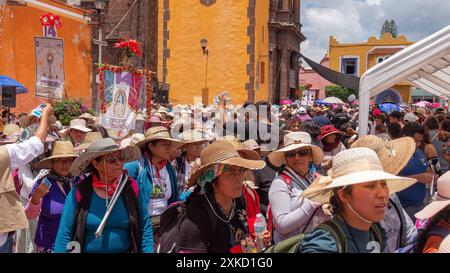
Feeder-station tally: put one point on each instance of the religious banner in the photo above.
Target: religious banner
(121, 92)
(49, 67)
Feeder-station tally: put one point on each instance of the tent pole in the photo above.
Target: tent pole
(9, 115)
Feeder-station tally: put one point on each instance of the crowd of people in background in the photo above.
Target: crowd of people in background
(228, 179)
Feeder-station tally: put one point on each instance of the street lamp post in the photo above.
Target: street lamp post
(205, 91)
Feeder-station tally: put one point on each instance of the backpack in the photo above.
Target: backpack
(170, 224)
(292, 245)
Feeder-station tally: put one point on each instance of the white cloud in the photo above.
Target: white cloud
(357, 20)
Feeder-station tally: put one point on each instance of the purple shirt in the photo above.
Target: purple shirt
(50, 216)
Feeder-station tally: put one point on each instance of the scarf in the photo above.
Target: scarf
(158, 167)
(329, 147)
(109, 188)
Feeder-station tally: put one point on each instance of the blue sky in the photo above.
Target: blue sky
(356, 20)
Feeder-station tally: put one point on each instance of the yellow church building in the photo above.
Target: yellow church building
(357, 58)
(249, 48)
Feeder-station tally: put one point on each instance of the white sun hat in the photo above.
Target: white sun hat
(354, 166)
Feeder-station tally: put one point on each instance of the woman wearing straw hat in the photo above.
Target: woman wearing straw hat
(193, 144)
(76, 132)
(215, 220)
(296, 160)
(394, 155)
(128, 227)
(49, 194)
(154, 174)
(358, 191)
(437, 214)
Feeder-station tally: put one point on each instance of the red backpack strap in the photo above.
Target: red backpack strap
(134, 186)
(78, 195)
(286, 178)
(269, 218)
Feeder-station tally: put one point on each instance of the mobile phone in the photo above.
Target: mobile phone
(46, 182)
(38, 110)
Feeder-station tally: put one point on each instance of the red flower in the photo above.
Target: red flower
(132, 46)
(50, 19)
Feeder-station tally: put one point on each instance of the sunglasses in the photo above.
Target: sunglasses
(114, 159)
(301, 153)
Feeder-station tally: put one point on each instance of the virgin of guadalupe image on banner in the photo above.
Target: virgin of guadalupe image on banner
(122, 93)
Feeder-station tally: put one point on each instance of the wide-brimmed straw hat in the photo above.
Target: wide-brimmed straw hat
(243, 152)
(24, 121)
(222, 152)
(251, 144)
(158, 133)
(61, 149)
(11, 133)
(88, 117)
(350, 167)
(394, 155)
(444, 247)
(294, 141)
(441, 198)
(135, 138)
(192, 136)
(99, 148)
(77, 124)
(90, 137)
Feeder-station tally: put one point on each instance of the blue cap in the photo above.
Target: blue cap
(321, 121)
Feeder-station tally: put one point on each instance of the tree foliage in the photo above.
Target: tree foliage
(339, 92)
(67, 109)
(390, 27)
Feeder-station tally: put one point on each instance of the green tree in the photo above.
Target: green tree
(390, 27)
(339, 92)
(393, 28)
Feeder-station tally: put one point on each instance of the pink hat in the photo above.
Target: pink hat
(156, 119)
(441, 197)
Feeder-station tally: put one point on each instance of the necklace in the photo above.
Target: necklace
(214, 211)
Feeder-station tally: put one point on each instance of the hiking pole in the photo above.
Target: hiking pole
(122, 181)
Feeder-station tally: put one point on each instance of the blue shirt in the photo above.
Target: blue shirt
(414, 195)
(116, 234)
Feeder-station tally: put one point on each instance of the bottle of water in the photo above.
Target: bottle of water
(259, 227)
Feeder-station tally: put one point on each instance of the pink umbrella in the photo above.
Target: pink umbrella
(434, 105)
(421, 103)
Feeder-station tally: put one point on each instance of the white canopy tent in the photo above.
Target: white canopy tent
(425, 64)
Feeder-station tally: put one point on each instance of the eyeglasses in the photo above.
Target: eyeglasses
(301, 153)
(235, 172)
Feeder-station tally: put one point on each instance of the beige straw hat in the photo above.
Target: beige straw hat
(394, 155)
(11, 133)
(441, 198)
(192, 136)
(24, 121)
(158, 133)
(294, 141)
(61, 149)
(90, 137)
(350, 167)
(135, 138)
(444, 247)
(99, 148)
(245, 153)
(251, 144)
(77, 124)
(222, 152)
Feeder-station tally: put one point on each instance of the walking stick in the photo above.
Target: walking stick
(122, 182)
